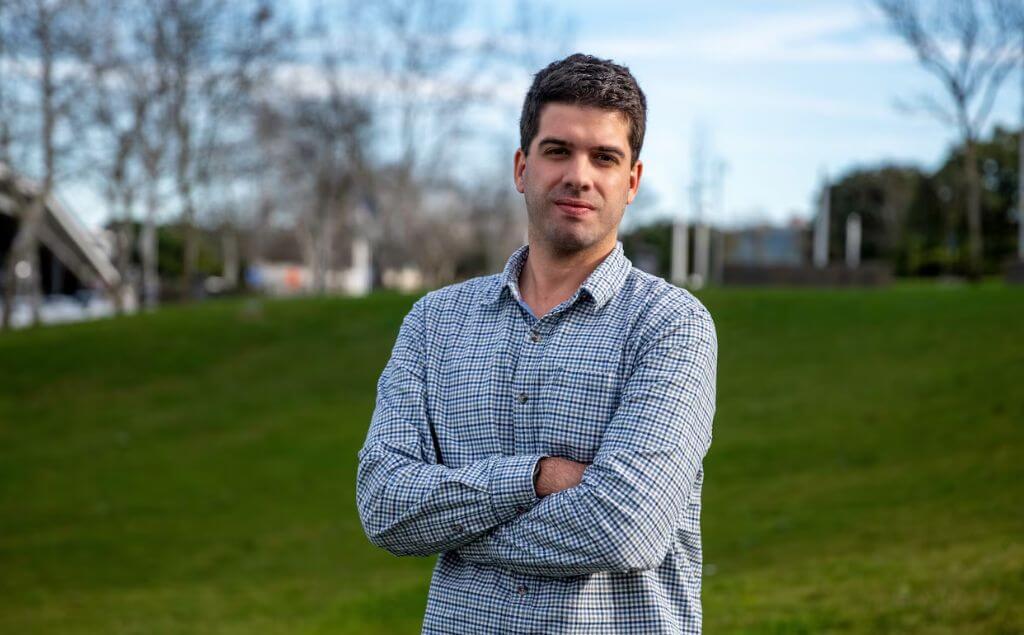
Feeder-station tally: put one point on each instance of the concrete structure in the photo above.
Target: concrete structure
(75, 270)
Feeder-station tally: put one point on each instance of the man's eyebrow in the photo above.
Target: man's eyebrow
(554, 142)
(611, 150)
(565, 144)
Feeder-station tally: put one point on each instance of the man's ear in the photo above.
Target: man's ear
(519, 167)
(635, 173)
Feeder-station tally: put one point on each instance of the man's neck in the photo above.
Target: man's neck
(548, 279)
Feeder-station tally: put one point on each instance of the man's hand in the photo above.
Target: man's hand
(557, 474)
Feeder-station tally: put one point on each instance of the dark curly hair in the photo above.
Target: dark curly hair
(585, 80)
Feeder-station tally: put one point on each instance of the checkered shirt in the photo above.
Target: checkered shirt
(620, 376)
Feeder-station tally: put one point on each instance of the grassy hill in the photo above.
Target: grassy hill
(193, 470)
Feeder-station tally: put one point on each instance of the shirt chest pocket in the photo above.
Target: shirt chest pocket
(579, 401)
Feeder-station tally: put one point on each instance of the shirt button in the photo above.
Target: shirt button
(522, 590)
(534, 337)
(460, 528)
(521, 509)
(522, 397)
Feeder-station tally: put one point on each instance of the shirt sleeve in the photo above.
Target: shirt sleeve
(622, 515)
(408, 503)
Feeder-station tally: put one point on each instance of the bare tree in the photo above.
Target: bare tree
(43, 33)
(322, 131)
(150, 77)
(152, 156)
(1013, 23)
(1018, 23)
(216, 52)
(120, 96)
(433, 74)
(971, 77)
(267, 123)
(328, 133)
(421, 75)
(6, 98)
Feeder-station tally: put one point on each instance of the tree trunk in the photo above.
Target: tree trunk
(35, 283)
(322, 252)
(184, 186)
(190, 247)
(974, 240)
(1020, 166)
(125, 239)
(147, 249)
(148, 239)
(24, 248)
(229, 249)
(191, 259)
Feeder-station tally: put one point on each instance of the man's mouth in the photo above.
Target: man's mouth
(574, 206)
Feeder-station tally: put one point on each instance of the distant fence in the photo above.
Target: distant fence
(867, 275)
(1015, 273)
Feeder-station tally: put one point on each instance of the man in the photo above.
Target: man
(543, 430)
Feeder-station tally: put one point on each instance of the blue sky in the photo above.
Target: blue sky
(783, 90)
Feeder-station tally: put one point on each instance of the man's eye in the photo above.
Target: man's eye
(556, 151)
(606, 158)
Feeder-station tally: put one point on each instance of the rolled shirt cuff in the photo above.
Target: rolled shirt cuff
(512, 487)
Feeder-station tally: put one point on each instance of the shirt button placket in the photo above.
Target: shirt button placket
(525, 385)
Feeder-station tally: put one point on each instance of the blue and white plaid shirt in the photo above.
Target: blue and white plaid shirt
(621, 376)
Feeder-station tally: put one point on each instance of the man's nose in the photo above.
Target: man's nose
(578, 173)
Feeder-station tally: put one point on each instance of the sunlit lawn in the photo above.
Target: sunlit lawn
(193, 470)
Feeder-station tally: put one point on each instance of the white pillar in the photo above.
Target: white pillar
(680, 252)
(362, 274)
(701, 253)
(821, 229)
(853, 241)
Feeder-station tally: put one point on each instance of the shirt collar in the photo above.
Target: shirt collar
(601, 285)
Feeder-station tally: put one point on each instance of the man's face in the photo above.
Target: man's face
(577, 178)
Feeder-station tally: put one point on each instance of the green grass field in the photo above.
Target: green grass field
(192, 471)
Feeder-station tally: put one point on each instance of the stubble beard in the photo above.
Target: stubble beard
(559, 236)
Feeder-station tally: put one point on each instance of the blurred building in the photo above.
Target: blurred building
(766, 245)
(781, 255)
(77, 277)
(282, 267)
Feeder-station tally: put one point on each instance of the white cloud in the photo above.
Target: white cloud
(836, 34)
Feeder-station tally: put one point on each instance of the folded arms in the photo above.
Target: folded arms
(619, 518)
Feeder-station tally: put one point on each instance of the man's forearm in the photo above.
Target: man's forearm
(555, 474)
(605, 524)
(446, 508)
(413, 508)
